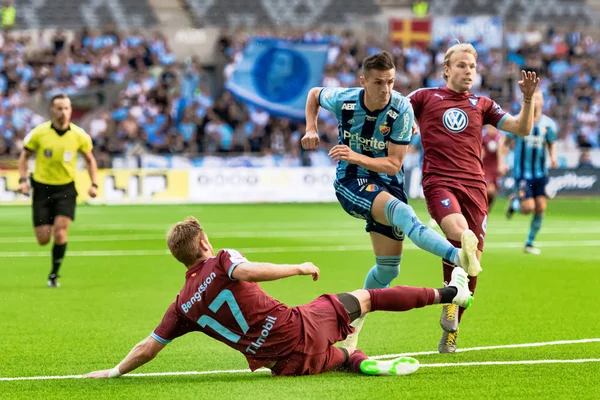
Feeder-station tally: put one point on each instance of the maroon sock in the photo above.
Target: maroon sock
(355, 360)
(472, 286)
(448, 267)
(490, 199)
(400, 298)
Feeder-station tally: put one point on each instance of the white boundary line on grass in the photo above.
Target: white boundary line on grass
(436, 365)
(299, 249)
(263, 235)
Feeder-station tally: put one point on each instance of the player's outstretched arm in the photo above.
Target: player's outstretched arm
(261, 272)
(142, 353)
(523, 123)
(310, 140)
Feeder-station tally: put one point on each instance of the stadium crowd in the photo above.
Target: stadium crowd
(166, 107)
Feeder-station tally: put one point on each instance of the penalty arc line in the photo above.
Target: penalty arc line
(433, 365)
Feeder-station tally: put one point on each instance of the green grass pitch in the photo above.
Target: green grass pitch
(118, 279)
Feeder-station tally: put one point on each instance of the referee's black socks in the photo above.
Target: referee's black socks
(58, 253)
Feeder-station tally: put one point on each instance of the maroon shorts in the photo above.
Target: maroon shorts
(325, 322)
(444, 198)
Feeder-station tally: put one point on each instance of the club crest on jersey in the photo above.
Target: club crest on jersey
(474, 101)
(48, 153)
(446, 203)
(455, 120)
(372, 188)
(384, 130)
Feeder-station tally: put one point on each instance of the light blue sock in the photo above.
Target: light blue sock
(402, 216)
(516, 204)
(383, 273)
(536, 224)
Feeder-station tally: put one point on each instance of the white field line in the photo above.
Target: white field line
(76, 237)
(292, 249)
(503, 346)
(437, 365)
(494, 227)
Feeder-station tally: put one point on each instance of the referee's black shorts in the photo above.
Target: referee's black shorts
(50, 201)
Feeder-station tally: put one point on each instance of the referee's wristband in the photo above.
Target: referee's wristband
(114, 373)
(95, 185)
(21, 180)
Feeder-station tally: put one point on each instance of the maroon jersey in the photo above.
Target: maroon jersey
(490, 153)
(451, 133)
(237, 313)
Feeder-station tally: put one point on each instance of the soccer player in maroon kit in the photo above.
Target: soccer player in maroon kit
(221, 298)
(494, 165)
(451, 121)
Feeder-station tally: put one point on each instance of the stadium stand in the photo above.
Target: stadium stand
(74, 14)
(227, 13)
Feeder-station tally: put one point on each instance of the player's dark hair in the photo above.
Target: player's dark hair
(381, 62)
(58, 96)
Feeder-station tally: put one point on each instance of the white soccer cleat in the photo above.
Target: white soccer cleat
(532, 250)
(398, 366)
(460, 281)
(468, 253)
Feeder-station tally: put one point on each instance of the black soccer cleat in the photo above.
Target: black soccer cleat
(53, 281)
(510, 211)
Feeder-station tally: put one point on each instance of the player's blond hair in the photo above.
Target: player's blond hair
(183, 241)
(459, 47)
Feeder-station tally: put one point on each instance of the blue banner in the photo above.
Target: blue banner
(276, 75)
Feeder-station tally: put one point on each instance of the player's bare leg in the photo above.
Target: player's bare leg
(61, 225)
(388, 253)
(43, 233)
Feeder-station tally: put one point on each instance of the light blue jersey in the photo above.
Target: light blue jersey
(530, 151)
(367, 132)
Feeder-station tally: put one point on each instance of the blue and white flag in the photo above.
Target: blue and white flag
(276, 75)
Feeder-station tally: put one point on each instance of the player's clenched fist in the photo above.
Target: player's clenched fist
(310, 141)
(309, 268)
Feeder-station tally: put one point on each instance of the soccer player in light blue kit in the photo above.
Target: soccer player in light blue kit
(375, 125)
(531, 172)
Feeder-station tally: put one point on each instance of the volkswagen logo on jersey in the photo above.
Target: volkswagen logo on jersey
(455, 120)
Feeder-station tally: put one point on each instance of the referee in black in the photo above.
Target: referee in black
(55, 144)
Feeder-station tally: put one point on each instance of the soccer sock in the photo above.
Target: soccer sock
(58, 253)
(472, 286)
(400, 298)
(447, 294)
(536, 224)
(355, 360)
(490, 199)
(402, 216)
(385, 270)
(516, 204)
(449, 265)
